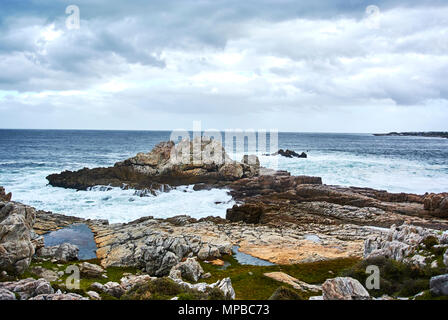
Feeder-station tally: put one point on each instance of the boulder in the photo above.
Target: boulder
(111, 288)
(439, 285)
(4, 196)
(130, 281)
(93, 295)
(64, 252)
(189, 270)
(90, 270)
(249, 213)
(28, 288)
(16, 248)
(231, 171)
(7, 295)
(344, 288)
(445, 258)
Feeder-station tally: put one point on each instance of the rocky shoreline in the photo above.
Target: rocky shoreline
(432, 134)
(286, 220)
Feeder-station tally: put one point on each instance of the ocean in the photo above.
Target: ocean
(396, 164)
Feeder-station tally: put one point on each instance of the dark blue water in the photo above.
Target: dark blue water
(77, 234)
(408, 164)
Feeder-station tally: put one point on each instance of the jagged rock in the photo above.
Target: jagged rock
(344, 288)
(399, 244)
(3, 196)
(225, 285)
(62, 253)
(437, 204)
(111, 288)
(187, 162)
(249, 213)
(7, 295)
(28, 288)
(130, 281)
(417, 260)
(190, 270)
(290, 154)
(439, 285)
(16, 248)
(59, 296)
(445, 258)
(90, 270)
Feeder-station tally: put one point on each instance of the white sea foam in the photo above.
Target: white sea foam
(117, 205)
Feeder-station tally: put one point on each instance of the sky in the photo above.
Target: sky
(299, 66)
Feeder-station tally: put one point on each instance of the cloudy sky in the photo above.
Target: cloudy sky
(319, 66)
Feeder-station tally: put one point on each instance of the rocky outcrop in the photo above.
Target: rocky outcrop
(437, 204)
(154, 245)
(16, 248)
(90, 270)
(188, 162)
(111, 288)
(62, 253)
(4, 196)
(249, 213)
(344, 288)
(290, 154)
(439, 285)
(402, 244)
(59, 296)
(27, 288)
(189, 270)
(225, 285)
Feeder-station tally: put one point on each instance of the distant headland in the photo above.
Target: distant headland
(433, 134)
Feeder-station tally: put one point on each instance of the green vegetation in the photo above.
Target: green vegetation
(396, 278)
(249, 282)
(283, 293)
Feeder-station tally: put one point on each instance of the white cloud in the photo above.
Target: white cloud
(338, 73)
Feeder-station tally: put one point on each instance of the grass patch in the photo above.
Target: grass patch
(249, 282)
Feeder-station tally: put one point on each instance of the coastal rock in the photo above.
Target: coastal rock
(290, 154)
(28, 288)
(344, 288)
(59, 296)
(225, 285)
(90, 270)
(16, 248)
(399, 244)
(4, 196)
(189, 270)
(111, 288)
(168, 164)
(437, 204)
(131, 281)
(439, 285)
(7, 295)
(62, 253)
(249, 213)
